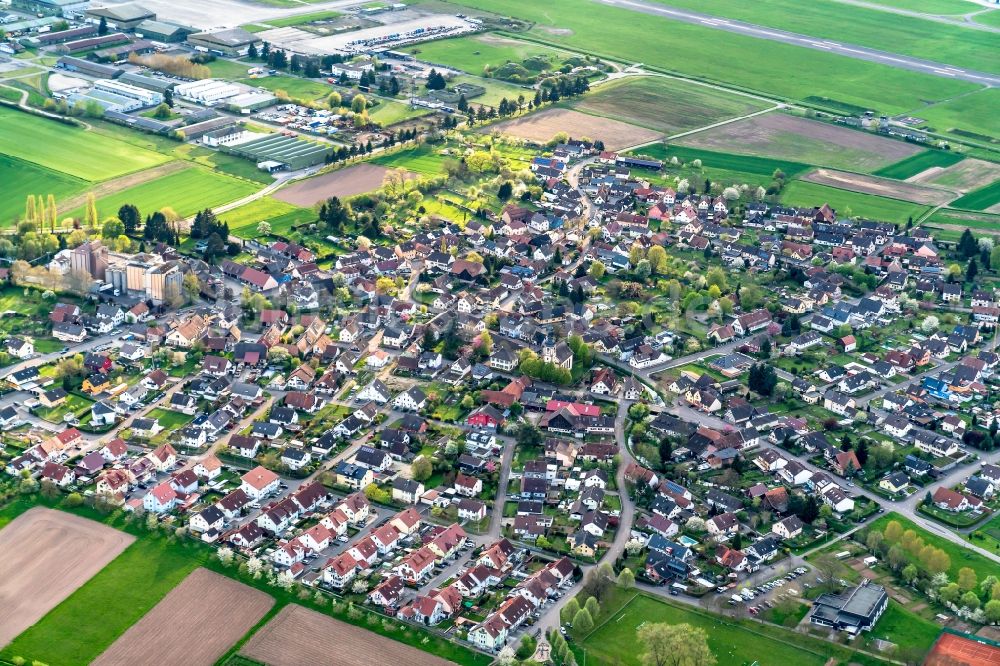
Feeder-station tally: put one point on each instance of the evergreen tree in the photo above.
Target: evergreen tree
(102, 27)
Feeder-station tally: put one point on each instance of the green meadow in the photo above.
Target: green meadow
(21, 179)
(919, 163)
(68, 149)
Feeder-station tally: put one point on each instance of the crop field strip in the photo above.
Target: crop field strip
(919, 163)
(542, 126)
(985, 198)
(764, 166)
(21, 178)
(612, 33)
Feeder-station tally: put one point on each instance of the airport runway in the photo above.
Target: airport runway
(831, 46)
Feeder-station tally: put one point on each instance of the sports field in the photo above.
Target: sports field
(906, 629)
(22, 178)
(852, 204)
(763, 65)
(665, 105)
(917, 164)
(615, 641)
(795, 139)
(829, 19)
(981, 199)
(473, 54)
(70, 150)
(186, 191)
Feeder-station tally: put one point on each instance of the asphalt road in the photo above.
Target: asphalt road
(815, 43)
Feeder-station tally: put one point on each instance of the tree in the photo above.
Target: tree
(674, 645)
(421, 468)
(162, 112)
(910, 573)
(112, 228)
(874, 540)
(762, 379)
(597, 270)
(264, 228)
(593, 606)
(992, 610)
(102, 27)
(570, 610)
(966, 579)
(130, 218)
(970, 600)
(90, 216)
(967, 245)
(505, 191)
(626, 579)
(359, 104)
(191, 286)
(583, 623)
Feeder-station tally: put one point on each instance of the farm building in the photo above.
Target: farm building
(275, 152)
(209, 91)
(50, 38)
(142, 95)
(120, 17)
(234, 42)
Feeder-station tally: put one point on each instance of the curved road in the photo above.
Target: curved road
(815, 43)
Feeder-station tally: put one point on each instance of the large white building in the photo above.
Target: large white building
(141, 95)
(208, 91)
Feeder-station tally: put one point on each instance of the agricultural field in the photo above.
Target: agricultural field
(347, 182)
(475, 53)
(72, 634)
(664, 104)
(194, 624)
(186, 191)
(920, 163)
(542, 126)
(21, 178)
(611, 32)
(829, 19)
(298, 635)
(47, 556)
(615, 641)
(969, 174)
(985, 198)
(883, 187)
(739, 164)
(70, 150)
(799, 193)
(802, 140)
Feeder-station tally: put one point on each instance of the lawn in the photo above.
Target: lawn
(389, 112)
(665, 105)
(852, 204)
(496, 89)
(281, 216)
(943, 7)
(615, 641)
(829, 19)
(302, 19)
(423, 159)
(74, 403)
(170, 420)
(919, 163)
(987, 536)
(90, 619)
(70, 150)
(230, 69)
(186, 191)
(293, 86)
(21, 178)
(960, 557)
(475, 53)
(703, 52)
(904, 628)
(980, 199)
(989, 18)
